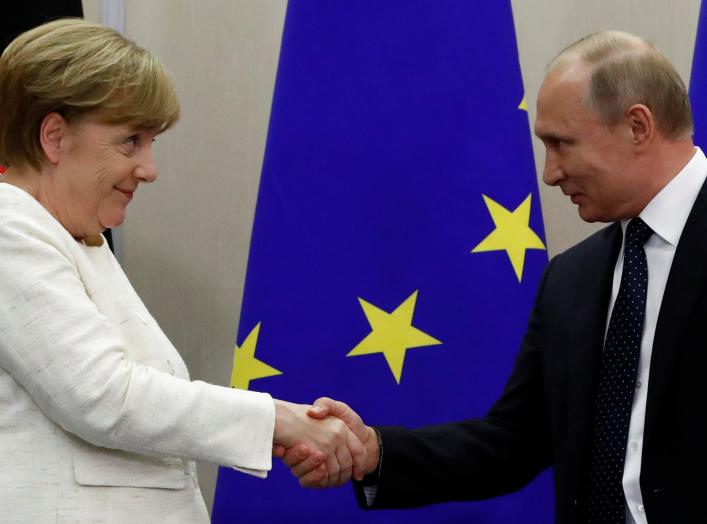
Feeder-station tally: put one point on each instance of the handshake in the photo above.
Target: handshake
(325, 444)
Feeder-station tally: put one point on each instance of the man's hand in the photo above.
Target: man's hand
(306, 464)
(324, 445)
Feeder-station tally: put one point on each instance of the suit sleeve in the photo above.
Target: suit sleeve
(473, 459)
(73, 363)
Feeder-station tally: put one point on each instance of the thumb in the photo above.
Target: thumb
(278, 451)
(326, 406)
(322, 408)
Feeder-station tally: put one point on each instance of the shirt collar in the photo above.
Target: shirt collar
(667, 212)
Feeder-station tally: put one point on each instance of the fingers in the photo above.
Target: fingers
(348, 449)
(333, 468)
(326, 406)
(339, 447)
(301, 462)
(315, 478)
(338, 459)
(296, 455)
(358, 455)
(306, 464)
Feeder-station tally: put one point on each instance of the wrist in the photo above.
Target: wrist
(373, 451)
(283, 422)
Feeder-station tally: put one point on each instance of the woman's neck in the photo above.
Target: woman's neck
(27, 179)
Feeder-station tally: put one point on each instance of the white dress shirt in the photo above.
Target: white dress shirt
(666, 215)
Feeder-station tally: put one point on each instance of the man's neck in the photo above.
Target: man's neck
(663, 164)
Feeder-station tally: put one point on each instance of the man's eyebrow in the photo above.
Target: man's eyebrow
(543, 134)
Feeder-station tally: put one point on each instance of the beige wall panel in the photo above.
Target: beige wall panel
(92, 10)
(185, 242)
(544, 27)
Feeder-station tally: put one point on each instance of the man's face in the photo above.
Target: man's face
(589, 160)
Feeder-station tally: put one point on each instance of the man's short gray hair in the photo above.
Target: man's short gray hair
(627, 70)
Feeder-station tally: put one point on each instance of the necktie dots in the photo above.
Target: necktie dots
(617, 383)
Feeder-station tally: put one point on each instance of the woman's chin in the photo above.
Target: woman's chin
(112, 221)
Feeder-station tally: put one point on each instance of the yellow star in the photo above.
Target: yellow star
(392, 334)
(245, 366)
(512, 233)
(523, 106)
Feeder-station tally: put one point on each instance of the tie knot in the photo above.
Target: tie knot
(637, 232)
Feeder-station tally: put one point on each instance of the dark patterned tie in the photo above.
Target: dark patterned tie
(617, 381)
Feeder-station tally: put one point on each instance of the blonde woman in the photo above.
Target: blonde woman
(99, 420)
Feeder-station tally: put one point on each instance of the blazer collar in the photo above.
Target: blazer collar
(592, 294)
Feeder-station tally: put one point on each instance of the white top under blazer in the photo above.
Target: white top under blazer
(99, 421)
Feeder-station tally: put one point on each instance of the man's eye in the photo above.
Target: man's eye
(560, 143)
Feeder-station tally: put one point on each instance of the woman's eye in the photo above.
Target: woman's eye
(130, 144)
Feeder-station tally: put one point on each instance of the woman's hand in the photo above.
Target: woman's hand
(311, 443)
(307, 463)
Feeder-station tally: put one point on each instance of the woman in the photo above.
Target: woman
(99, 421)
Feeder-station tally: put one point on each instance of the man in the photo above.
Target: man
(607, 388)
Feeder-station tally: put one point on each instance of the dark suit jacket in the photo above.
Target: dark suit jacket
(544, 416)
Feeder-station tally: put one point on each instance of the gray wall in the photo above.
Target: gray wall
(186, 238)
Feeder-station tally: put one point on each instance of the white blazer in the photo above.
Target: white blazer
(98, 419)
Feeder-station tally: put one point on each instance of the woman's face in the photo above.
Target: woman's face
(100, 168)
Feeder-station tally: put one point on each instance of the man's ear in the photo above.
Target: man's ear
(52, 134)
(640, 121)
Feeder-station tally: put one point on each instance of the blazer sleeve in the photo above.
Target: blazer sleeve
(473, 459)
(73, 363)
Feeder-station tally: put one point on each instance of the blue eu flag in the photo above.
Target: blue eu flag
(398, 238)
(698, 81)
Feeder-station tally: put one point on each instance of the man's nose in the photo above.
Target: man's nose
(553, 173)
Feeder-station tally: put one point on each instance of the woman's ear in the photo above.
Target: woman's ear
(52, 133)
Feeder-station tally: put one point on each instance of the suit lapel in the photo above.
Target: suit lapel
(596, 271)
(683, 290)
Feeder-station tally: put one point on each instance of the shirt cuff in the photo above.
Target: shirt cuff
(370, 482)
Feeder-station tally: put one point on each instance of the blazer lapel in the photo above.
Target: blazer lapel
(683, 290)
(593, 294)
(597, 277)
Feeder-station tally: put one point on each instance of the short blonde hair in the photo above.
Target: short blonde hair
(74, 67)
(628, 70)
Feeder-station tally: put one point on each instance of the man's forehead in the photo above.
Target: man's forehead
(562, 90)
(566, 76)
(561, 102)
